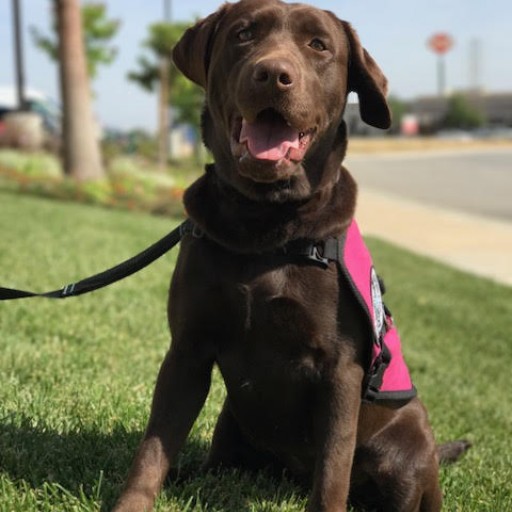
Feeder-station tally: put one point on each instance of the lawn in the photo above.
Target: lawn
(76, 376)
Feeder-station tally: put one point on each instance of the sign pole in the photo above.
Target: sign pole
(440, 44)
(441, 75)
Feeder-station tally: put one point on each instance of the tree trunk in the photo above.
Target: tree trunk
(81, 150)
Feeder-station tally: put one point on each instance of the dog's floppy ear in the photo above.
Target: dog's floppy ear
(367, 80)
(191, 54)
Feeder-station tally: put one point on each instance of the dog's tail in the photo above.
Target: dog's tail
(452, 451)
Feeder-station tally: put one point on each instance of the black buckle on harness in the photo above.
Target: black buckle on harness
(376, 375)
(313, 254)
(320, 253)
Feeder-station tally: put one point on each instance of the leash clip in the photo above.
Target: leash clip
(189, 227)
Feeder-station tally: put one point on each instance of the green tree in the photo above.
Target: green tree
(398, 109)
(462, 114)
(97, 31)
(157, 71)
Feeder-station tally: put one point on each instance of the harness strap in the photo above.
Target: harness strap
(114, 274)
(386, 353)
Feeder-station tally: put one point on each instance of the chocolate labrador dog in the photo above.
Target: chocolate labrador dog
(291, 343)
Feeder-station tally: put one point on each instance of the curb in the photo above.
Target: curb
(472, 243)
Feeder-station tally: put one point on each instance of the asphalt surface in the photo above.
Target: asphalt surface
(455, 207)
(474, 181)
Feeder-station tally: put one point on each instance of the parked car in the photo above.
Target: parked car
(47, 110)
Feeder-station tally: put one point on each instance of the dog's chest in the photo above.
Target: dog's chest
(282, 323)
(280, 335)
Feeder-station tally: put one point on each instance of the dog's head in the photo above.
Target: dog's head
(276, 77)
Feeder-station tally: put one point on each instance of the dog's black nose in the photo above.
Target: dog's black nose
(275, 74)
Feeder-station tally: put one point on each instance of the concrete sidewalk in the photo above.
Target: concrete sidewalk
(472, 243)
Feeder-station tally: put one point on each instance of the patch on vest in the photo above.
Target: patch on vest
(378, 306)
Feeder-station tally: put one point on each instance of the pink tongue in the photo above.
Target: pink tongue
(268, 140)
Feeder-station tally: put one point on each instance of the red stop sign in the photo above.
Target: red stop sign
(440, 43)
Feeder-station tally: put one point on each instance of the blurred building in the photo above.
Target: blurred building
(355, 125)
(496, 109)
(430, 111)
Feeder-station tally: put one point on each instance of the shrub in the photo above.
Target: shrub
(30, 164)
(462, 114)
(126, 186)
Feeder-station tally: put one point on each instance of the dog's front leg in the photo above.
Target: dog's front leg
(336, 431)
(180, 392)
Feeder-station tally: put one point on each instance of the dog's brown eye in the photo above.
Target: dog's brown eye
(317, 45)
(245, 35)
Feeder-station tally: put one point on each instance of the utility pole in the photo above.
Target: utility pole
(475, 64)
(168, 11)
(18, 48)
(168, 19)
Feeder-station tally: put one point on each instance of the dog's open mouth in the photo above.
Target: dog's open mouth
(271, 137)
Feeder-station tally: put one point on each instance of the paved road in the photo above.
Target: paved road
(473, 181)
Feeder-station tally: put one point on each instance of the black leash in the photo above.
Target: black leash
(124, 269)
(318, 253)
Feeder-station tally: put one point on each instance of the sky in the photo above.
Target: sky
(395, 32)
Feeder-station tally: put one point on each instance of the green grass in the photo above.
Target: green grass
(76, 376)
